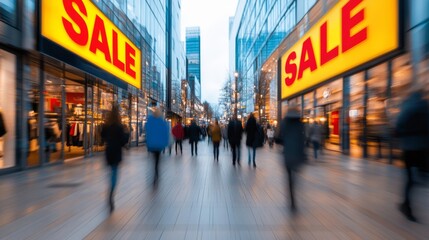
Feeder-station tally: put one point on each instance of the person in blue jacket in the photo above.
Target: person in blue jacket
(157, 137)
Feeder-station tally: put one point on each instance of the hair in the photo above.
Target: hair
(113, 116)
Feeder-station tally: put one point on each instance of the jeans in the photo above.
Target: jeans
(249, 150)
(179, 142)
(196, 148)
(216, 150)
(113, 180)
(411, 158)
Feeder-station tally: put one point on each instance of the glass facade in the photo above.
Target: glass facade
(193, 53)
(7, 109)
(9, 12)
(59, 108)
(263, 26)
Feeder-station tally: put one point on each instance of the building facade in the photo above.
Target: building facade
(193, 54)
(64, 63)
(352, 84)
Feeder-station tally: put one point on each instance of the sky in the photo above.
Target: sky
(213, 19)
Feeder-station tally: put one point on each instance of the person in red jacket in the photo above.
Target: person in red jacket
(179, 134)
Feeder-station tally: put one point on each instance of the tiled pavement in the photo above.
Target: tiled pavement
(198, 198)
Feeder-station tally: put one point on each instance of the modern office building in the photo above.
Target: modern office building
(346, 64)
(193, 54)
(64, 63)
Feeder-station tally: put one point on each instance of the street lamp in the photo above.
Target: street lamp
(235, 93)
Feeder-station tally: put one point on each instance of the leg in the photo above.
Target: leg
(157, 157)
(192, 148)
(113, 181)
(406, 205)
(249, 154)
(177, 142)
(238, 146)
(196, 148)
(254, 157)
(234, 154)
(180, 145)
(291, 188)
(217, 151)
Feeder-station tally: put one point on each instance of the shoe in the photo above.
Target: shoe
(111, 205)
(406, 210)
(254, 165)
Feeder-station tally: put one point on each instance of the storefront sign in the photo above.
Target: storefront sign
(81, 28)
(352, 33)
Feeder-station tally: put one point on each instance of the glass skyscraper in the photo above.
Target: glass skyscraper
(193, 53)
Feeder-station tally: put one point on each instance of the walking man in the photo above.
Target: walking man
(235, 132)
(413, 131)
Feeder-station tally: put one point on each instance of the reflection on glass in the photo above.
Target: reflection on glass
(52, 118)
(32, 100)
(75, 120)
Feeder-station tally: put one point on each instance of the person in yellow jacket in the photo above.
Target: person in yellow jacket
(216, 137)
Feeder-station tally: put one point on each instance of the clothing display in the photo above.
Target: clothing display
(2, 126)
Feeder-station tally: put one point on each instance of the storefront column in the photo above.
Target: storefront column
(41, 115)
(389, 96)
(85, 123)
(365, 114)
(345, 119)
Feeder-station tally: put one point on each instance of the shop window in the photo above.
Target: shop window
(356, 113)
(53, 117)
(75, 119)
(32, 101)
(7, 109)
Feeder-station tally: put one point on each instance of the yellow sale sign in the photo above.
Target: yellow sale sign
(80, 27)
(352, 33)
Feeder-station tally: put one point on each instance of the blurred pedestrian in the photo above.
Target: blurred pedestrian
(235, 132)
(254, 138)
(292, 137)
(216, 137)
(179, 134)
(270, 135)
(209, 133)
(315, 136)
(157, 138)
(224, 130)
(412, 130)
(195, 133)
(115, 137)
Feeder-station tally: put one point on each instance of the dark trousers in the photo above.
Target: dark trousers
(179, 142)
(196, 147)
(235, 153)
(157, 156)
(291, 183)
(411, 159)
(113, 181)
(316, 146)
(216, 150)
(225, 143)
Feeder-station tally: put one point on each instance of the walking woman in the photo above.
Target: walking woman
(216, 137)
(113, 134)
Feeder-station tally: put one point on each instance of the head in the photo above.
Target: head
(293, 112)
(113, 116)
(216, 122)
(157, 112)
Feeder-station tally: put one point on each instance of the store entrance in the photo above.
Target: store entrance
(328, 116)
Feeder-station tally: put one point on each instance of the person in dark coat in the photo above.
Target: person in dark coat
(157, 137)
(251, 137)
(113, 134)
(194, 136)
(235, 132)
(412, 129)
(292, 137)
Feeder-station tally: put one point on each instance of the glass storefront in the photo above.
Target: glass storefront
(374, 101)
(7, 109)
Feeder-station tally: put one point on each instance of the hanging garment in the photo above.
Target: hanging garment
(2, 126)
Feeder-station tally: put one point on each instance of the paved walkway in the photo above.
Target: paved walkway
(197, 198)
